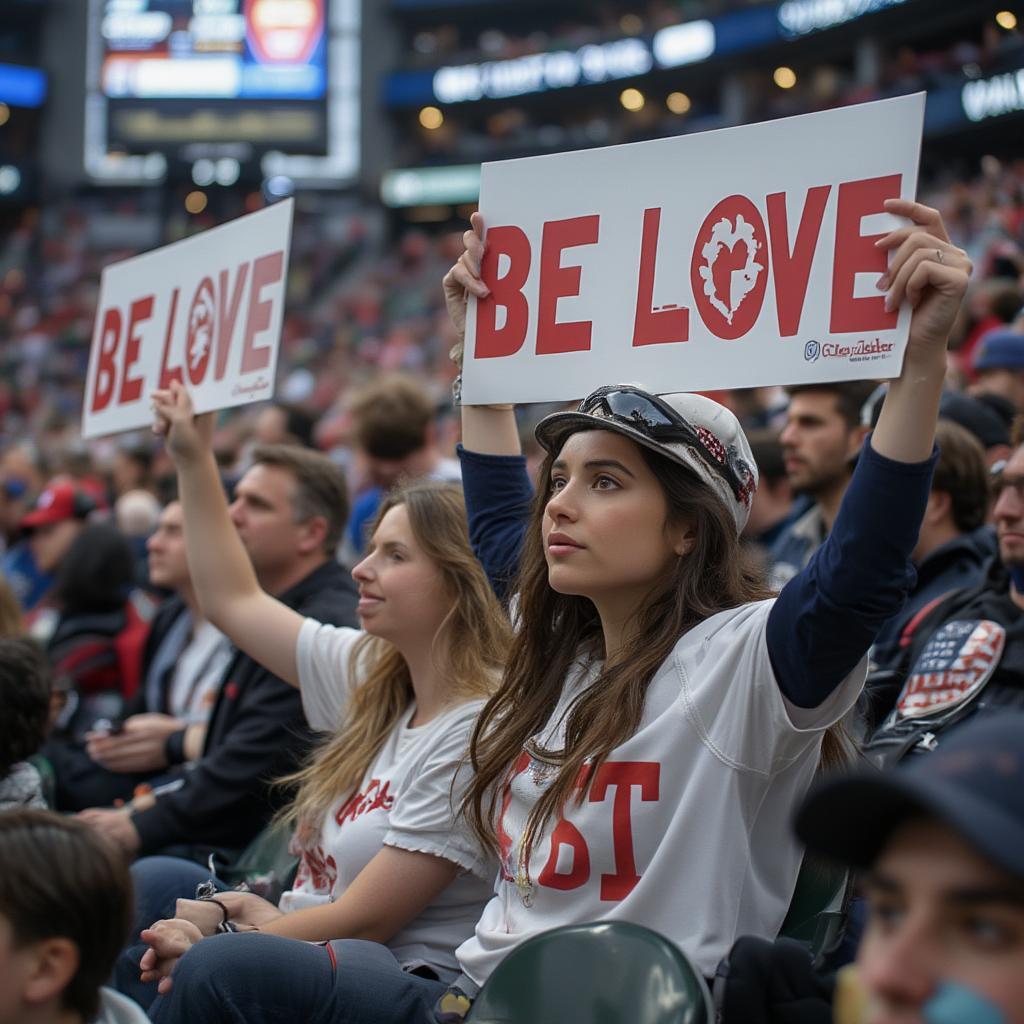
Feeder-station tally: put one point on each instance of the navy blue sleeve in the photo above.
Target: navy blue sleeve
(827, 616)
(498, 496)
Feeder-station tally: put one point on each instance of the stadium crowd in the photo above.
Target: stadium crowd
(248, 653)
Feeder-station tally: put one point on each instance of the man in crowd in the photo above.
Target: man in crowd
(989, 418)
(290, 510)
(165, 723)
(942, 841)
(820, 442)
(394, 435)
(65, 911)
(59, 515)
(954, 545)
(772, 506)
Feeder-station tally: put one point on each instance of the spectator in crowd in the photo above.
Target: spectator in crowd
(435, 642)
(289, 511)
(940, 841)
(284, 423)
(988, 417)
(772, 506)
(999, 366)
(137, 514)
(93, 629)
(820, 443)
(955, 544)
(65, 901)
(393, 431)
(982, 623)
(12, 620)
(59, 515)
(25, 700)
(164, 725)
(12, 511)
(132, 469)
(992, 305)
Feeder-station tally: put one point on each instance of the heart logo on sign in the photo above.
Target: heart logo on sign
(201, 322)
(730, 269)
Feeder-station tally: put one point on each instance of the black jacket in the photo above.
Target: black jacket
(257, 733)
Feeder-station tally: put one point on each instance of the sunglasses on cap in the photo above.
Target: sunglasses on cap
(658, 421)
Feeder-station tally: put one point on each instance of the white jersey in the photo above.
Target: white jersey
(405, 799)
(686, 827)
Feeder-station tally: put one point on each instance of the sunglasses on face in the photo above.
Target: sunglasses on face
(658, 421)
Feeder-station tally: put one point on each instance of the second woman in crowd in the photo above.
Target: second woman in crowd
(382, 856)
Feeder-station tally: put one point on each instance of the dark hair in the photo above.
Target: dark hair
(320, 488)
(299, 423)
(851, 397)
(59, 879)
(24, 698)
(556, 629)
(961, 473)
(98, 571)
(392, 417)
(768, 457)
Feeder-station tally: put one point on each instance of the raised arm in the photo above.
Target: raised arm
(828, 616)
(222, 575)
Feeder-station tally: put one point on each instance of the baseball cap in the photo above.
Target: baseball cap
(976, 416)
(691, 430)
(1000, 349)
(58, 502)
(973, 782)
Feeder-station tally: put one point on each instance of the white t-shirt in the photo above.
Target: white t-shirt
(686, 827)
(406, 800)
(198, 673)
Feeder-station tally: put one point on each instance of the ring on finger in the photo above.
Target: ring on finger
(938, 256)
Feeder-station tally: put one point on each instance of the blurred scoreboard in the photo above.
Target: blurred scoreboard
(216, 73)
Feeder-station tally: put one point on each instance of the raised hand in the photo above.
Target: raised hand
(464, 278)
(188, 436)
(929, 272)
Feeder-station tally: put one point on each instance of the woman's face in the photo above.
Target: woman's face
(604, 528)
(402, 596)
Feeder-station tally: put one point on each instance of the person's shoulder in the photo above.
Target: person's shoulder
(726, 629)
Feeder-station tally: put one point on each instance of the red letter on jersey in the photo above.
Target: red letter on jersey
(623, 776)
(506, 291)
(667, 325)
(557, 281)
(856, 254)
(566, 834)
(791, 270)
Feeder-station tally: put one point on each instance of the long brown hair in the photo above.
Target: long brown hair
(471, 646)
(555, 629)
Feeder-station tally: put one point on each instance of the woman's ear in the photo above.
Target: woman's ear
(684, 539)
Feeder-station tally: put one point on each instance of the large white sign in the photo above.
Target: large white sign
(206, 311)
(736, 258)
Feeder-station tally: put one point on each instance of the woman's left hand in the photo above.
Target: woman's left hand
(929, 272)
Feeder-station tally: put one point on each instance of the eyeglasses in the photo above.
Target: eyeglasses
(660, 422)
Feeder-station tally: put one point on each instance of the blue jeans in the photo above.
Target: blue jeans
(252, 978)
(159, 882)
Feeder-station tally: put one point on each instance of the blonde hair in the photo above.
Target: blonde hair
(471, 646)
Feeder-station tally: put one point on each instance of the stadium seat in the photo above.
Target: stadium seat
(611, 973)
(266, 865)
(817, 911)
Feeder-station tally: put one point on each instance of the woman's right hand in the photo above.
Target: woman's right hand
(168, 942)
(464, 278)
(188, 436)
(244, 908)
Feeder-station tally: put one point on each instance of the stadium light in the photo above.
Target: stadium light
(195, 202)
(204, 172)
(678, 102)
(632, 99)
(688, 43)
(10, 180)
(1007, 20)
(431, 118)
(785, 78)
(5, 113)
(227, 171)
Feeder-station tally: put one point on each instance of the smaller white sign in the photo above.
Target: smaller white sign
(205, 311)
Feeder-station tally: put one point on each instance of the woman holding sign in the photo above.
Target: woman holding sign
(661, 715)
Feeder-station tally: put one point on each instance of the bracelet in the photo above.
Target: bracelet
(205, 894)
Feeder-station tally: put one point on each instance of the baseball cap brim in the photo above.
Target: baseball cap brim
(43, 517)
(849, 820)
